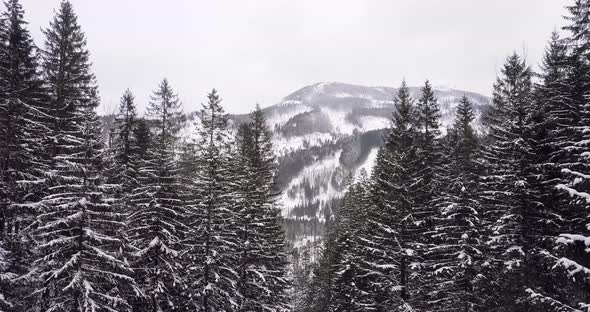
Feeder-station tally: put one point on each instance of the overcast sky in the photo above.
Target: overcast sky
(260, 51)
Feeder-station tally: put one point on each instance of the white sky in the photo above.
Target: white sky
(260, 51)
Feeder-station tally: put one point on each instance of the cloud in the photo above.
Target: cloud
(259, 51)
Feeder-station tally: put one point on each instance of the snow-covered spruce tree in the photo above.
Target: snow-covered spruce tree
(564, 94)
(124, 158)
(389, 242)
(155, 225)
(321, 289)
(554, 121)
(20, 117)
(142, 137)
(457, 257)
(188, 166)
(76, 225)
(309, 299)
(262, 259)
(350, 287)
(166, 111)
(5, 302)
(124, 145)
(428, 179)
(427, 120)
(249, 283)
(212, 241)
(514, 214)
(21, 130)
(77, 231)
(302, 268)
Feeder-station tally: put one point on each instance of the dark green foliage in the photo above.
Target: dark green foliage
(457, 262)
(262, 261)
(390, 238)
(75, 229)
(427, 178)
(76, 232)
(212, 241)
(124, 144)
(165, 108)
(512, 208)
(351, 292)
(155, 224)
(22, 125)
(563, 98)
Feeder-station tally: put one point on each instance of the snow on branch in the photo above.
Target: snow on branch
(540, 298)
(574, 192)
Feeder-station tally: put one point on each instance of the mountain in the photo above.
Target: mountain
(326, 134)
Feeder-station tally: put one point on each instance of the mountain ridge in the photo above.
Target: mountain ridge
(327, 133)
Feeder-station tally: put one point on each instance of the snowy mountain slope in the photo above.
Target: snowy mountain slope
(325, 110)
(314, 118)
(326, 133)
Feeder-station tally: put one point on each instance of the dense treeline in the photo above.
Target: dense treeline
(144, 222)
(467, 221)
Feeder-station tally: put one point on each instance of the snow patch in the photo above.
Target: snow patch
(317, 175)
(368, 165)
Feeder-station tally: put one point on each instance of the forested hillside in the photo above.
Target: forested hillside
(468, 221)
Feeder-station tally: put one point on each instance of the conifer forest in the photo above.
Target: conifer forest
(128, 213)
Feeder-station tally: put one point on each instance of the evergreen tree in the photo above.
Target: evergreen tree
(21, 130)
(514, 213)
(351, 291)
(76, 227)
(166, 108)
(77, 233)
(5, 302)
(20, 118)
(312, 293)
(262, 260)
(66, 68)
(389, 242)
(212, 241)
(142, 137)
(124, 144)
(458, 252)
(124, 160)
(578, 27)
(427, 119)
(427, 178)
(554, 124)
(563, 96)
(320, 294)
(555, 118)
(155, 225)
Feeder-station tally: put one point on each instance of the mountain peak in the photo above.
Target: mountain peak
(321, 91)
